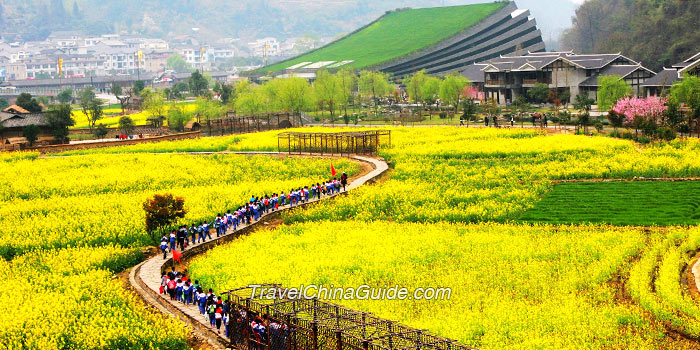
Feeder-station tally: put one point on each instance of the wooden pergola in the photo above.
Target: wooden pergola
(340, 143)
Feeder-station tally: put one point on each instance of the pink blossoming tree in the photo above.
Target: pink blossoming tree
(651, 107)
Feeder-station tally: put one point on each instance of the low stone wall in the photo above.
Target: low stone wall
(87, 145)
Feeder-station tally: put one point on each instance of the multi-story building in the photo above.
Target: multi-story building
(507, 77)
(195, 56)
(267, 47)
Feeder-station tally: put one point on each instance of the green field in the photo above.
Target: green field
(644, 203)
(397, 34)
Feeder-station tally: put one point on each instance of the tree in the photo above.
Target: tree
(520, 104)
(430, 92)
(139, 85)
(651, 107)
(177, 63)
(60, 118)
(227, 94)
(100, 131)
(123, 99)
(374, 84)
(252, 101)
(610, 89)
(91, 106)
(687, 92)
(615, 119)
(451, 89)
(469, 110)
(4, 103)
(162, 211)
(65, 96)
(538, 93)
(584, 119)
(26, 101)
(327, 90)
(347, 79)
(126, 125)
(31, 133)
(414, 87)
(294, 95)
(177, 117)
(583, 103)
(198, 83)
(154, 106)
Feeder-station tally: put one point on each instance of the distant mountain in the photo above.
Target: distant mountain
(35, 19)
(657, 33)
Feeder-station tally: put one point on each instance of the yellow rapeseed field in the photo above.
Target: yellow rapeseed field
(515, 286)
(68, 224)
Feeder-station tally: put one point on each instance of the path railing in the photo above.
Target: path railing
(311, 324)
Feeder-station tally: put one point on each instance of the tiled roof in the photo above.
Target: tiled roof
(666, 77)
(542, 59)
(15, 109)
(474, 73)
(10, 120)
(621, 70)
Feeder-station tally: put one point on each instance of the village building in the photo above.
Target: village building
(507, 77)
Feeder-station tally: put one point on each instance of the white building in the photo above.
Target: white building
(267, 47)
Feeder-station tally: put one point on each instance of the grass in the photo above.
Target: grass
(397, 34)
(644, 203)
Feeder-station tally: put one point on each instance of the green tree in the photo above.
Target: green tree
(430, 92)
(538, 93)
(177, 117)
(252, 101)
(610, 89)
(162, 211)
(154, 106)
(126, 125)
(451, 89)
(65, 96)
(139, 85)
(4, 103)
(26, 101)
(469, 110)
(198, 83)
(327, 90)
(687, 92)
(100, 131)
(177, 63)
(60, 118)
(31, 133)
(615, 119)
(374, 85)
(347, 79)
(583, 103)
(91, 106)
(584, 119)
(414, 87)
(295, 95)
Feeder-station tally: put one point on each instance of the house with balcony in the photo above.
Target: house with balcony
(507, 77)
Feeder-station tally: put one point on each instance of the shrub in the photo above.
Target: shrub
(665, 133)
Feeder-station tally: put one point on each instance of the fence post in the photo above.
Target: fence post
(339, 340)
(314, 335)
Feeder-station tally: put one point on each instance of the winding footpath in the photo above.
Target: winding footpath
(145, 277)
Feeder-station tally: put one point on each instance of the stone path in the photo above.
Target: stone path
(145, 278)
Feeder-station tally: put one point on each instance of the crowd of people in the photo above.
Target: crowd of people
(219, 313)
(238, 324)
(248, 213)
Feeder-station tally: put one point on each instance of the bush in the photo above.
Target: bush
(443, 115)
(665, 133)
(627, 135)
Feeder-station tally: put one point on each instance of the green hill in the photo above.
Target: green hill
(396, 34)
